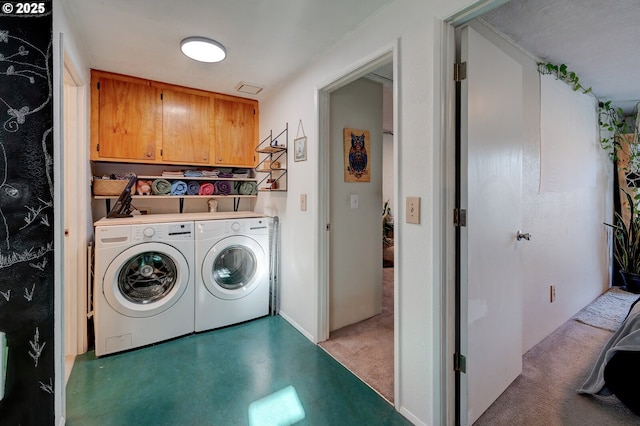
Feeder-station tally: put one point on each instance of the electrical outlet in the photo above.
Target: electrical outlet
(303, 202)
(413, 209)
(552, 293)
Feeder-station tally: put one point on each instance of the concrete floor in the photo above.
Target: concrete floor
(263, 372)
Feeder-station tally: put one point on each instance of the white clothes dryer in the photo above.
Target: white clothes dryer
(232, 276)
(143, 284)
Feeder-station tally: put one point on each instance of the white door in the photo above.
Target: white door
(491, 179)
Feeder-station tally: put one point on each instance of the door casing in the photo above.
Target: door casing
(323, 91)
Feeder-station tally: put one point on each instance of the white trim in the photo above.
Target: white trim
(473, 11)
(447, 234)
(75, 88)
(297, 326)
(58, 234)
(415, 420)
(361, 68)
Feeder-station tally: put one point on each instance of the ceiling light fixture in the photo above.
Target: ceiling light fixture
(203, 49)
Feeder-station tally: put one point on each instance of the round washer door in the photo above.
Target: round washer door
(146, 279)
(234, 267)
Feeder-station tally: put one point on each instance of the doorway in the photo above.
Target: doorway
(75, 254)
(346, 310)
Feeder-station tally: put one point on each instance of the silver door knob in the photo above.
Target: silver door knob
(523, 236)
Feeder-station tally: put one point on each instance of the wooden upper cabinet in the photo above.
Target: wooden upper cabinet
(187, 126)
(141, 121)
(125, 118)
(236, 131)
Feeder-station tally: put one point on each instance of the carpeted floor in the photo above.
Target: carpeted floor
(545, 392)
(366, 348)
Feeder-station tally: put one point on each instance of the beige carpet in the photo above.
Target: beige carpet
(366, 348)
(545, 392)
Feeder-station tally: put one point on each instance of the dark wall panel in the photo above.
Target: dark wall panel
(26, 212)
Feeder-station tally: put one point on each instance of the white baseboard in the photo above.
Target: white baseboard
(298, 327)
(410, 416)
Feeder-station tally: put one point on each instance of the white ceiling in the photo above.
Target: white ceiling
(270, 40)
(267, 41)
(598, 39)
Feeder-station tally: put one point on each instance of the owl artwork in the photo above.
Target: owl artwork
(358, 157)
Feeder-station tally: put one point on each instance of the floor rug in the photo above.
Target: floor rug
(608, 310)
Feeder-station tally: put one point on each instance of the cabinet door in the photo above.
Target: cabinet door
(125, 119)
(187, 128)
(236, 132)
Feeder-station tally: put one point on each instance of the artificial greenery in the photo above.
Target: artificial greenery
(561, 72)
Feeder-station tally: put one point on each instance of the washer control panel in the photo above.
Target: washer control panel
(163, 232)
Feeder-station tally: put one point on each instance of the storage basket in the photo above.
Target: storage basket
(109, 186)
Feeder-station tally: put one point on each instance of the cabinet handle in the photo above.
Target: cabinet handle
(219, 158)
(149, 154)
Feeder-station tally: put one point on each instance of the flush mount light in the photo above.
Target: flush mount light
(203, 49)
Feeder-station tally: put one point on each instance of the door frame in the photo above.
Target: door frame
(451, 404)
(359, 69)
(75, 297)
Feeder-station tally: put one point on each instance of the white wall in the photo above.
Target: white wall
(569, 240)
(355, 290)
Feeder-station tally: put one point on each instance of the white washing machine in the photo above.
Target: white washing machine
(232, 275)
(144, 284)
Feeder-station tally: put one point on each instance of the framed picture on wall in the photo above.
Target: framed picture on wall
(356, 157)
(300, 149)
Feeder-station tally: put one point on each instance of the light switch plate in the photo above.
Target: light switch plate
(355, 201)
(413, 210)
(303, 202)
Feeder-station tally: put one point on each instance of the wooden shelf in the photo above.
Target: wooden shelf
(274, 152)
(265, 170)
(205, 178)
(271, 149)
(271, 190)
(175, 197)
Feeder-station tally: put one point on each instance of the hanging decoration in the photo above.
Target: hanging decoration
(356, 157)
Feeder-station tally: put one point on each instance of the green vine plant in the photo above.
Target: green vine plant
(612, 122)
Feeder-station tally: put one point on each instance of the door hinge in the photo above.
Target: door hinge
(98, 85)
(161, 96)
(459, 71)
(328, 227)
(459, 363)
(459, 217)
(98, 147)
(161, 152)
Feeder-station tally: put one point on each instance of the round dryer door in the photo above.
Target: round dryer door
(234, 267)
(146, 279)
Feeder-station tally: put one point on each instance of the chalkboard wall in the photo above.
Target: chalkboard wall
(26, 213)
